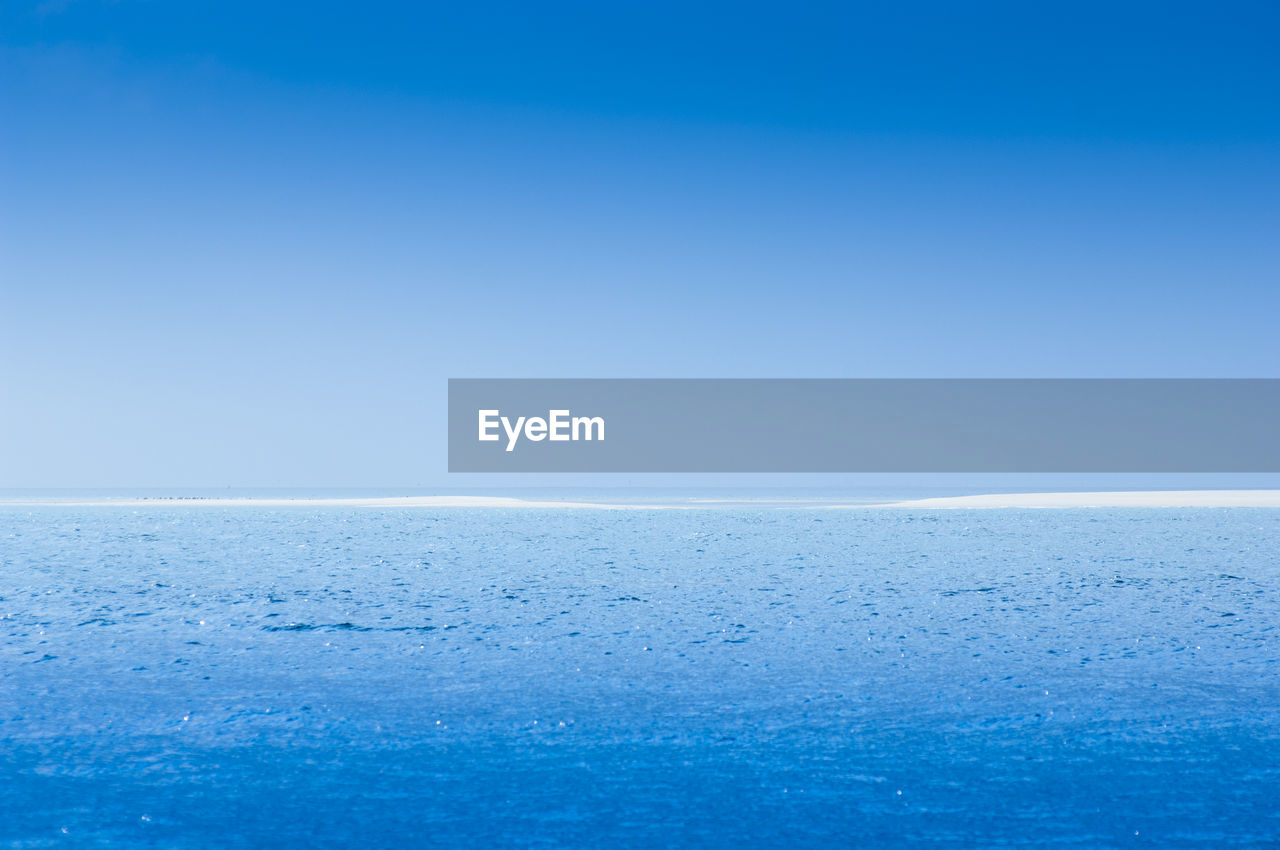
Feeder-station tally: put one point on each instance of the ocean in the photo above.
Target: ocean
(199, 676)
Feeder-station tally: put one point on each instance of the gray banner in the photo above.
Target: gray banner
(864, 425)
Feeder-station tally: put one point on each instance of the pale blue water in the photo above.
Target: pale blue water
(208, 677)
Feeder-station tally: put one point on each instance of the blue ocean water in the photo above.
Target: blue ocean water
(183, 676)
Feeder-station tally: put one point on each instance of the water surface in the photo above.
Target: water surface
(187, 676)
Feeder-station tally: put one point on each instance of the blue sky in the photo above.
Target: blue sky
(246, 245)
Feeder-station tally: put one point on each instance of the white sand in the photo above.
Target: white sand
(1135, 499)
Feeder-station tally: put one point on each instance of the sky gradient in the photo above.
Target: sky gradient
(247, 246)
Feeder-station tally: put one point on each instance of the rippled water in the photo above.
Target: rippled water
(190, 677)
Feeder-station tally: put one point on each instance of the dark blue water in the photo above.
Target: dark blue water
(208, 677)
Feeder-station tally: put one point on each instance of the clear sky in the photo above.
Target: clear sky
(247, 243)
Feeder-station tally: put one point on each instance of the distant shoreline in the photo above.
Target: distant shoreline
(1101, 499)
(1119, 499)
